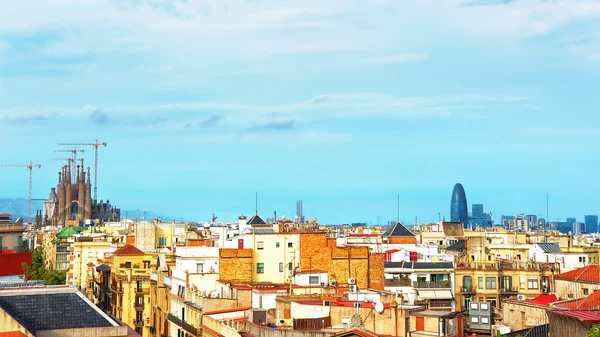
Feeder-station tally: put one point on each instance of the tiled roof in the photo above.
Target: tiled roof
(591, 302)
(458, 246)
(262, 230)
(48, 311)
(418, 265)
(549, 247)
(128, 250)
(590, 316)
(589, 273)
(69, 231)
(397, 230)
(544, 299)
(256, 220)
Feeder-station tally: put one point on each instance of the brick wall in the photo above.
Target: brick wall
(235, 264)
(314, 252)
(376, 278)
(403, 240)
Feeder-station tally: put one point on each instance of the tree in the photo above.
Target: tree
(594, 331)
(38, 271)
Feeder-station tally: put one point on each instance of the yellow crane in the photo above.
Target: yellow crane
(30, 167)
(96, 144)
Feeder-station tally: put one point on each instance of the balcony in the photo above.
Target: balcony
(138, 322)
(431, 284)
(509, 290)
(403, 282)
(545, 289)
(186, 326)
(468, 290)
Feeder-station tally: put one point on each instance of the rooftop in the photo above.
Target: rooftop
(590, 316)
(549, 247)
(589, 274)
(544, 299)
(398, 230)
(51, 308)
(256, 220)
(128, 250)
(458, 246)
(419, 265)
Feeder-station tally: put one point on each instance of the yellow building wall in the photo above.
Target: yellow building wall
(129, 287)
(272, 256)
(519, 316)
(83, 253)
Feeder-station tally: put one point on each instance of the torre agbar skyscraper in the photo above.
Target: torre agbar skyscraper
(458, 206)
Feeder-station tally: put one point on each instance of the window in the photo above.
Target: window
(260, 268)
(582, 259)
(490, 283)
(128, 264)
(138, 316)
(485, 320)
(474, 319)
(260, 245)
(491, 301)
(586, 291)
(276, 244)
(162, 242)
(532, 283)
(181, 291)
(480, 282)
(313, 279)
(199, 268)
(507, 282)
(467, 282)
(290, 245)
(290, 266)
(281, 267)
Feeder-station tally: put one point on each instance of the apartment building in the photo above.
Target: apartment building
(130, 287)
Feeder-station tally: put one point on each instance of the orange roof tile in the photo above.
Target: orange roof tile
(128, 250)
(587, 303)
(589, 273)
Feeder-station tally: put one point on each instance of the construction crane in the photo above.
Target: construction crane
(96, 144)
(74, 159)
(30, 167)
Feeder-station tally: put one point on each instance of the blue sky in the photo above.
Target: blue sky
(343, 104)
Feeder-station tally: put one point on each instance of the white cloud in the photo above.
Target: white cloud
(398, 58)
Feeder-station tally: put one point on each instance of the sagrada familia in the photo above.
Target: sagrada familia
(71, 204)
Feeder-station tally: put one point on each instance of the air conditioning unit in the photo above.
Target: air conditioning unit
(326, 303)
(351, 281)
(521, 297)
(332, 283)
(353, 288)
(358, 304)
(323, 284)
(345, 321)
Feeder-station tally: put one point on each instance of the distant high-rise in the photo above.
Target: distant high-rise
(458, 206)
(479, 219)
(477, 210)
(591, 224)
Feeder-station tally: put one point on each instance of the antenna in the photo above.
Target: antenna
(547, 217)
(256, 201)
(398, 209)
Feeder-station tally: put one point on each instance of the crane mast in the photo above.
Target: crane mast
(96, 144)
(73, 159)
(30, 167)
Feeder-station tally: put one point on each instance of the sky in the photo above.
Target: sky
(345, 105)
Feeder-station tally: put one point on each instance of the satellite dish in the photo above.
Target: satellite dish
(379, 307)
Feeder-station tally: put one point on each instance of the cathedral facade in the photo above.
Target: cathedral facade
(70, 203)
